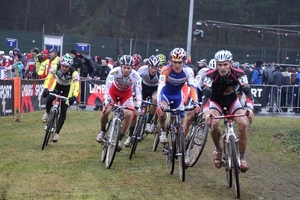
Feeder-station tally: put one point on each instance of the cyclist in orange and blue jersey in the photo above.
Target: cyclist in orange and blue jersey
(172, 79)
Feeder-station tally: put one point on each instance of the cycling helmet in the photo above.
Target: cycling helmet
(223, 55)
(162, 58)
(154, 61)
(236, 65)
(137, 59)
(145, 61)
(127, 60)
(178, 54)
(212, 64)
(66, 60)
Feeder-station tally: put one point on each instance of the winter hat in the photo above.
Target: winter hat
(73, 51)
(258, 62)
(36, 50)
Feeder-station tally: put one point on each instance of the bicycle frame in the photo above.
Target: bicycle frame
(231, 158)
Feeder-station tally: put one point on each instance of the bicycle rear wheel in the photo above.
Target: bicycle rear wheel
(197, 143)
(156, 137)
(48, 129)
(180, 153)
(235, 165)
(136, 135)
(112, 144)
(170, 149)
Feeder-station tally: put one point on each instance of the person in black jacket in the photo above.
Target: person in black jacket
(77, 63)
(100, 73)
(277, 81)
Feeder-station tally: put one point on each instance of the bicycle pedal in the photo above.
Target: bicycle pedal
(165, 152)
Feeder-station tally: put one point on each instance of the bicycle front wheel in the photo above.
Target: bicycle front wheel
(48, 130)
(136, 135)
(103, 154)
(235, 165)
(180, 153)
(197, 143)
(170, 149)
(112, 145)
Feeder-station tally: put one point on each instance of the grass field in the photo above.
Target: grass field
(71, 168)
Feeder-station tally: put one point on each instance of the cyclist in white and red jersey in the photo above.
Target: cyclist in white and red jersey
(172, 79)
(119, 83)
(150, 76)
(219, 89)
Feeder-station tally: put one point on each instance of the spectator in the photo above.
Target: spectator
(285, 98)
(277, 81)
(18, 66)
(77, 62)
(248, 71)
(30, 66)
(38, 58)
(100, 73)
(53, 58)
(268, 74)
(44, 67)
(257, 74)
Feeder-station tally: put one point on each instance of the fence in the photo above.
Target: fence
(113, 47)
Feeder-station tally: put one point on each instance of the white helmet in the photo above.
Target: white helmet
(212, 64)
(223, 55)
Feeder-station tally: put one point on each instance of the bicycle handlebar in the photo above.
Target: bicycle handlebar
(229, 116)
(186, 108)
(148, 103)
(58, 96)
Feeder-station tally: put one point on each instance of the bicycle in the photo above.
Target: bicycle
(175, 147)
(111, 139)
(196, 139)
(231, 157)
(139, 130)
(53, 118)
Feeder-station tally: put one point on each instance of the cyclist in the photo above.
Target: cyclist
(219, 87)
(199, 84)
(138, 61)
(163, 59)
(150, 76)
(172, 79)
(119, 83)
(66, 83)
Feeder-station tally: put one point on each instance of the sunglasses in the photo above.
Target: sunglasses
(177, 62)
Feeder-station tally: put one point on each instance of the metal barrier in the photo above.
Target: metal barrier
(277, 98)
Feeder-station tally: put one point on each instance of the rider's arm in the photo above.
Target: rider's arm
(74, 85)
(109, 80)
(243, 81)
(162, 81)
(138, 87)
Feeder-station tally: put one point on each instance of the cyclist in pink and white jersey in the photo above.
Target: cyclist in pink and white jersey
(119, 83)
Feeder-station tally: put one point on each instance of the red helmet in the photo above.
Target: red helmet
(137, 59)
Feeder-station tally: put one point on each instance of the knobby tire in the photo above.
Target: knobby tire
(235, 165)
(136, 134)
(112, 143)
(48, 130)
(180, 153)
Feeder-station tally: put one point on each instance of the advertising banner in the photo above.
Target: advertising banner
(6, 97)
(31, 95)
(94, 92)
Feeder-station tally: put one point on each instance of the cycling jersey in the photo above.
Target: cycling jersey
(223, 88)
(71, 78)
(200, 77)
(124, 83)
(147, 79)
(171, 83)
